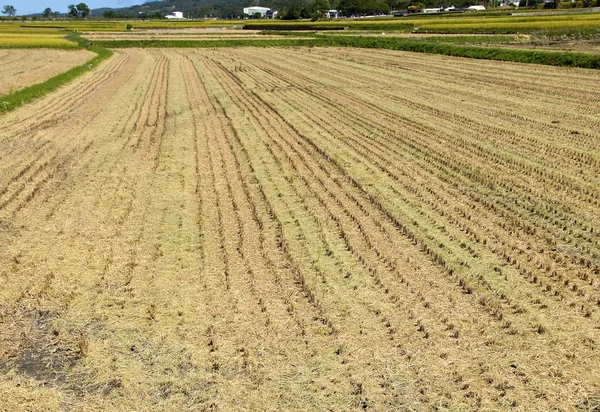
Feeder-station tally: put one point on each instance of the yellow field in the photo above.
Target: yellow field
(20, 68)
(37, 40)
(523, 26)
(182, 34)
(302, 229)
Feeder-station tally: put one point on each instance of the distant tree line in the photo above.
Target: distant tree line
(49, 13)
(80, 10)
(306, 9)
(287, 9)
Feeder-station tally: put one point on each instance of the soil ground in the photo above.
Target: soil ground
(24, 67)
(335, 229)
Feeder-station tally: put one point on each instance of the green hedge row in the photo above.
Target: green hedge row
(291, 27)
(362, 25)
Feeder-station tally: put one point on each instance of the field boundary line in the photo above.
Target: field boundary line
(11, 101)
(548, 58)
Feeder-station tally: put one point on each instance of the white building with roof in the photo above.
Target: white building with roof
(175, 15)
(251, 11)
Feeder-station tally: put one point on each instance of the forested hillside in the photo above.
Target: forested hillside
(288, 9)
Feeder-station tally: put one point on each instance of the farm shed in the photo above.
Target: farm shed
(175, 15)
(251, 11)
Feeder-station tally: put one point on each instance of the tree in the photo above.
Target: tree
(72, 10)
(349, 7)
(83, 9)
(363, 7)
(291, 13)
(322, 7)
(308, 13)
(47, 12)
(10, 10)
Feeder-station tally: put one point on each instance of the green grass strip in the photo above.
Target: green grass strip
(472, 40)
(20, 97)
(550, 58)
(386, 25)
(114, 44)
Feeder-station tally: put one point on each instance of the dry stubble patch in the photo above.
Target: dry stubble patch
(190, 34)
(332, 228)
(22, 68)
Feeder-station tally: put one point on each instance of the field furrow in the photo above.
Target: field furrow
(415, 189)
(301, 228)
(21, 68)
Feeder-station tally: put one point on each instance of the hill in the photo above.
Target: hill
(190, 8)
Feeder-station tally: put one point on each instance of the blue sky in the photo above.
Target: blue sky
(38, 6)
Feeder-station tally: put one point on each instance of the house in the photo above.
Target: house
(175, 15)
(333, 14)
(251, 11)
(456, 9)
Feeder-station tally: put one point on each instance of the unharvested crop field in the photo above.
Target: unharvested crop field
(34, 40)
(511, 24)
(21, 67)
(302, 229)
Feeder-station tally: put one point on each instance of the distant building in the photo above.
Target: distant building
(175, 15)
(476, 8)
(251, 11)
(333, 14)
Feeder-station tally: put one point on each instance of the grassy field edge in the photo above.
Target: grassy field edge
(13, 100)
(36, 44)
(550, 58)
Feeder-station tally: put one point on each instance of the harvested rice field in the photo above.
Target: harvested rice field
(176, 34)
(302, 229)
(143, 35)
(584, 45)
(23, 67)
